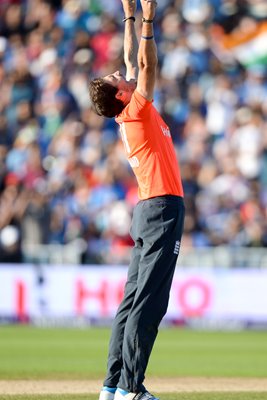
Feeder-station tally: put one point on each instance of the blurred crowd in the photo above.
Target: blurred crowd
(64, 177)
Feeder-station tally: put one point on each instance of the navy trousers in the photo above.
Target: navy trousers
(156, 229)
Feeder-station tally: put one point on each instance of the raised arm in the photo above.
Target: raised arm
(130, 39)
(147, 53)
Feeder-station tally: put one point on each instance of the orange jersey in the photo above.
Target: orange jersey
(149, 149)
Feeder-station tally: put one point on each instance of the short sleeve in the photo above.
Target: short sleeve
(138, 107)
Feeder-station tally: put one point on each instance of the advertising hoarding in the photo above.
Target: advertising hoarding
(93, 293)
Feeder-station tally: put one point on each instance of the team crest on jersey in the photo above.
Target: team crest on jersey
(134, 162)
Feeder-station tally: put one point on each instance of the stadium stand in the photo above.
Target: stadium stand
(64, 180)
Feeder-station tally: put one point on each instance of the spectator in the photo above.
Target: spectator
(63, 177)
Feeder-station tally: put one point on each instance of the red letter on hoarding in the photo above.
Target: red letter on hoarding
(84, 294)
(119, 291)
(20, 301)
(196, 310)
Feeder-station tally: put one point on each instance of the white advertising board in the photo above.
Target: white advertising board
(94, 292)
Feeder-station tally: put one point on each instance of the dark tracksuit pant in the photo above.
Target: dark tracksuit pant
(157, 227)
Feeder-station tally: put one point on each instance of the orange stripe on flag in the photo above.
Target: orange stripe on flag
(238, 38)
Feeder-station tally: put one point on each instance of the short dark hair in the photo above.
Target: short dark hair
(103, 97)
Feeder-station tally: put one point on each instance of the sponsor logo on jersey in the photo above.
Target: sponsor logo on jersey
(166, 131)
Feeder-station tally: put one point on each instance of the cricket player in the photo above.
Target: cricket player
(158, 217)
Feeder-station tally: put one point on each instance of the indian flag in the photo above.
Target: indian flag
(249, 48)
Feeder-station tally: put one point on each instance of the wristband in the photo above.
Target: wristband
(126, 18)
(147, 37)
(148, 21)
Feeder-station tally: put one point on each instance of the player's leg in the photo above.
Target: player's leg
(116, 341)
(161, 225)
(118, 326)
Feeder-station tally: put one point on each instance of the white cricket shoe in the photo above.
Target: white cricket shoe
(121, 394)
(107, 393)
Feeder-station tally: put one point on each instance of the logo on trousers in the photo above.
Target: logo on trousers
(177, 247)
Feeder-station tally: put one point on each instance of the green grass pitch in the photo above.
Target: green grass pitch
(41, 353)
